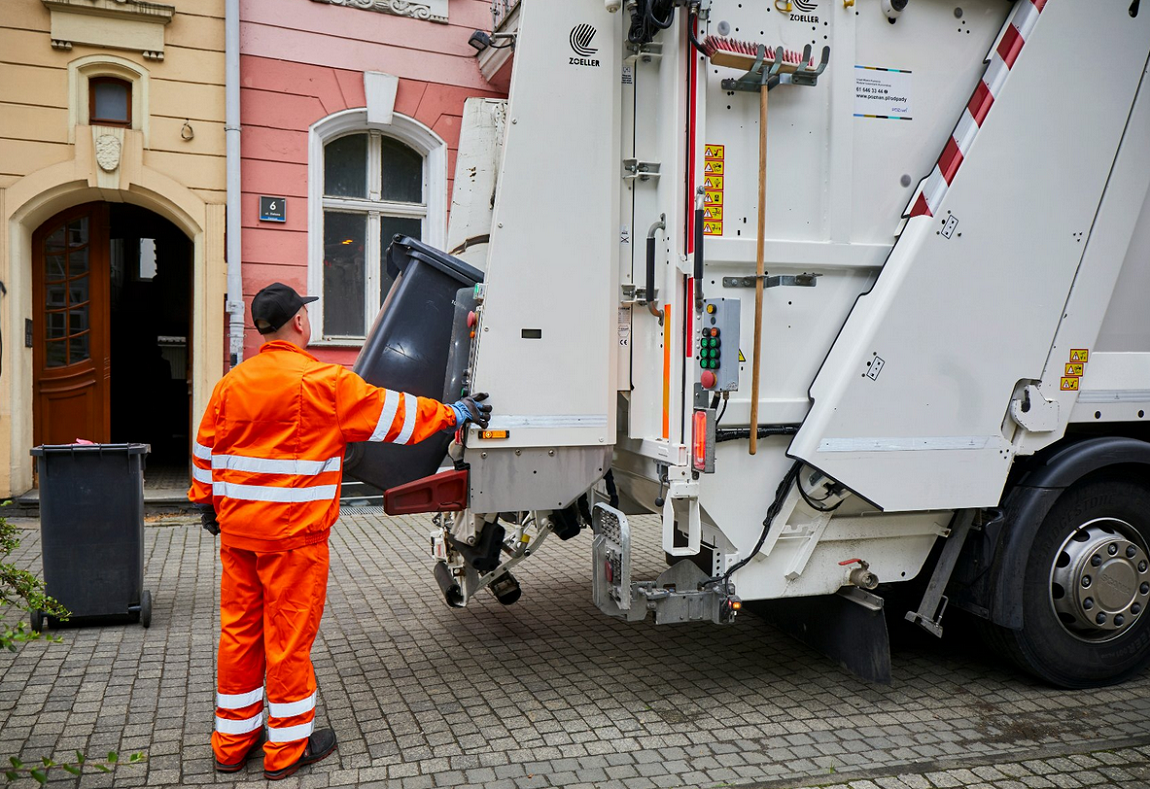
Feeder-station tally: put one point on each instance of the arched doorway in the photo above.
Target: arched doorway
(112, 287)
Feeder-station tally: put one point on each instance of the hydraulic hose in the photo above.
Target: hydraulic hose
(699, 249)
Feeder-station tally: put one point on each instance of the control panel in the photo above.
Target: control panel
(717, 345)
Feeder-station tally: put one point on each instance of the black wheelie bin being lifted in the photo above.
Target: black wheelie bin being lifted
(92, 530)
(411, 348)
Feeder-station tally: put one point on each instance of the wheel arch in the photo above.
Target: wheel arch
(1027, 503)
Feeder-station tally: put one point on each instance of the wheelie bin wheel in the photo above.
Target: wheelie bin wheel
(38, 621)
(146, 608)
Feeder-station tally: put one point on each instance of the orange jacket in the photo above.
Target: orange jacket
(269, 452)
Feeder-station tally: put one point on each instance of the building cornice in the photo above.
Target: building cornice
(124, 24)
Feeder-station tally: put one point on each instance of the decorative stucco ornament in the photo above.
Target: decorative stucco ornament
(433, 10)
(107, 152)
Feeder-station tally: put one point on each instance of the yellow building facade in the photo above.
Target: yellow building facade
(112, 206)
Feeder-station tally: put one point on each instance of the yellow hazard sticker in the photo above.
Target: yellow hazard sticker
(741, 357)
(1069, 384)
(712, 228)
(1074, 369)
(1080, 355)
(714, 212)
(713, 182)
(713, 197)
(713, 167)
(713, 151)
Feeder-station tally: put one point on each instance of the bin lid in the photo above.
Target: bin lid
(403, 248)
(103, 449)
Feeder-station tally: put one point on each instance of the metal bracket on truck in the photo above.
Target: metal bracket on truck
(681, 593)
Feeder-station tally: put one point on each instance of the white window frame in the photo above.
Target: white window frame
(434, 211)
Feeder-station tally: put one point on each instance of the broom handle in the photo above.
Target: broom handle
(756, 353)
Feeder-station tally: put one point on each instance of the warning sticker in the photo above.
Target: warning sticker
(1069, 384)
(713, 190)
(1074, 369)
(1080, 355)
(713, 182)
(713, 151)
(741, 357)
(883, 93)
(713, 212)
(713, 167)
(712, 228)
(713, 196)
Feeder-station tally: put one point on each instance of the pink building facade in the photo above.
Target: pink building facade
(351, 121)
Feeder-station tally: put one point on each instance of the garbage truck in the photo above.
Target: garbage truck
(849, 294)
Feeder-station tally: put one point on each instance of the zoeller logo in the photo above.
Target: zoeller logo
(804, 11)
(580, 38)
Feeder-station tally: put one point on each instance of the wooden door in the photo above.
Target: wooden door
(71, 327)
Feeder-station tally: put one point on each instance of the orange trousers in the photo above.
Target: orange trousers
(270, 607)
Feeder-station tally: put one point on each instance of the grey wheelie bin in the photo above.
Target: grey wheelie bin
(92, 530)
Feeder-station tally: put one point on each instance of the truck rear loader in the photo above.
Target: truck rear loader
(847, 292)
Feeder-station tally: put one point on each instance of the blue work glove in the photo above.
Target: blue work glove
(472, 409)
(208, 519)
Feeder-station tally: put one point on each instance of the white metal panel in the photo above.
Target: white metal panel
(549, 319)
(959, 321)
(1127, 324)
(476, 167)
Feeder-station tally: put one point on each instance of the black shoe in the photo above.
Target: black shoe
(320, 745)
(235, 768)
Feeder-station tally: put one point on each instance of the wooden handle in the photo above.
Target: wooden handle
(756, 353)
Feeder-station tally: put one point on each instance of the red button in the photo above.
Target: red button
(472, 319)
(707, 379)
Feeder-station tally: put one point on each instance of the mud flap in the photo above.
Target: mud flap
(848, 626)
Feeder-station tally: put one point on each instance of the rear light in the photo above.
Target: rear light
(703, 440)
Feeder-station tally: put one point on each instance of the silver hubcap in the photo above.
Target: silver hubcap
(1100, 581)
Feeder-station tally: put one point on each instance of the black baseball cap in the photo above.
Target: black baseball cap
(275, 305)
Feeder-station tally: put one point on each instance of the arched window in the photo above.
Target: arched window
(368, 185)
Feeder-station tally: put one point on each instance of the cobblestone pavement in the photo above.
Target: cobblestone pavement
(550, 693)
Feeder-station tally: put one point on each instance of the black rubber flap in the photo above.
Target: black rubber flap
(407, 350)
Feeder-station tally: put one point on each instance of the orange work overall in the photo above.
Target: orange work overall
(268, 457)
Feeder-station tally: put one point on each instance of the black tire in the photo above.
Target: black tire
(146, 608)
(1052, 644)
(37, 620)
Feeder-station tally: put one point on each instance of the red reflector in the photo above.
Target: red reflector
(699, 440)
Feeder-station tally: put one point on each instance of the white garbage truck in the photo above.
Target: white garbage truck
(849, 293)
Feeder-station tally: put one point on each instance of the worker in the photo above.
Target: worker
(266, 477)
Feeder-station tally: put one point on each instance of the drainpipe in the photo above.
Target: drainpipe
(235, 295)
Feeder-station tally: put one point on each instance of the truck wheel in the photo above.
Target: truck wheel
(1087, 588)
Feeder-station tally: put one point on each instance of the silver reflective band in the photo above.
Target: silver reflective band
(409, 413)
(202, 452)
(290, 733)
(264, 493)
(899, 444)
(225, 726)
(271, 466)
(201, 475)
(387, 416)
(292, 707)
(235, 701)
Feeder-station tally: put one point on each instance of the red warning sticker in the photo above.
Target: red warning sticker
(1069, 384)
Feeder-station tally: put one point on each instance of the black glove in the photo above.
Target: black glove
(472, 409)
(208, 519)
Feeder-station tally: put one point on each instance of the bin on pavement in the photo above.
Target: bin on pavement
(92, 530)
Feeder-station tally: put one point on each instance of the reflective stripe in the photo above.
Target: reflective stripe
(290, 733)
(387, 416)
(225, 726)
(237, 701)
(264, 493)
(1025, 19)
(270, 466)
(996, 73)
(202, 452)
(964, 132)
(292, 707)
(409, 414)
(201, 475)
